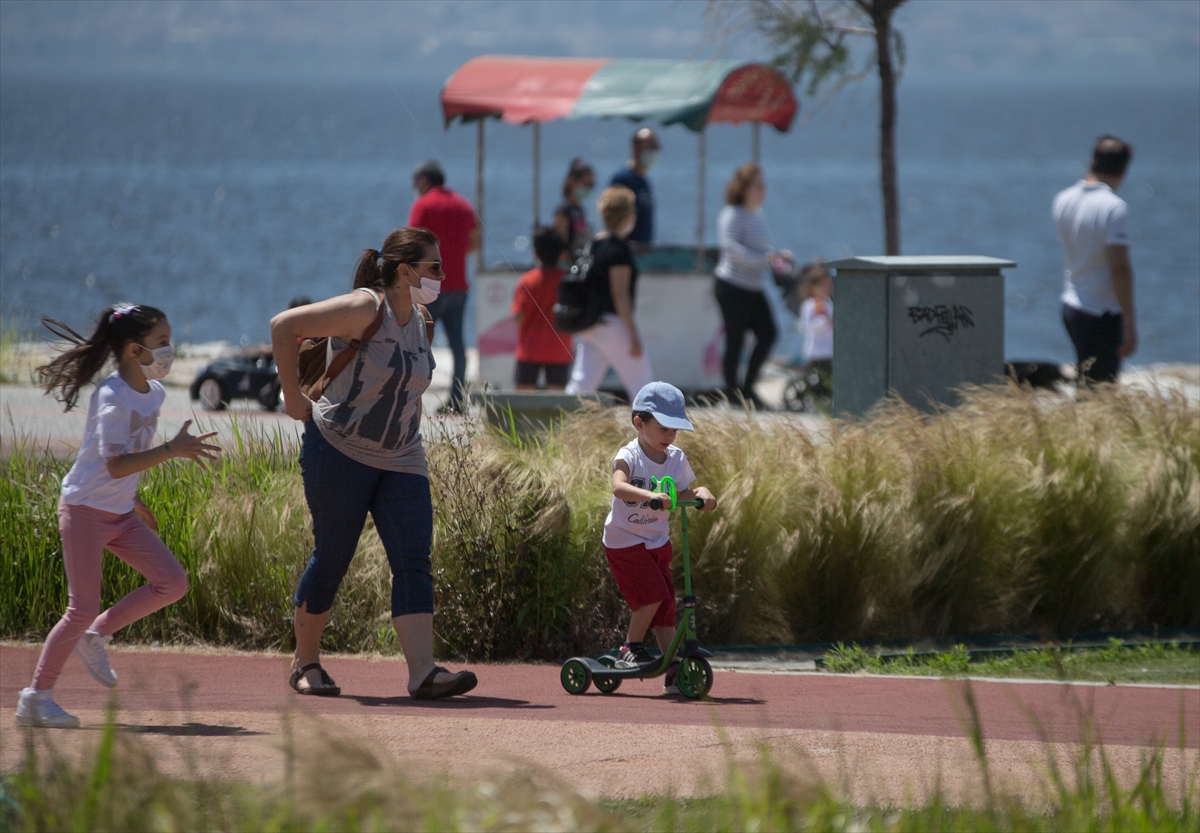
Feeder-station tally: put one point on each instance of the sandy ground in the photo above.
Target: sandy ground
(232, 715)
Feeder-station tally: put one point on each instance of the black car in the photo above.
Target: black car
(250, 376)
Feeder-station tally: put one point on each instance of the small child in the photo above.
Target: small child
(816, 320)
(540, 346)
(100, 508)
(637, 540)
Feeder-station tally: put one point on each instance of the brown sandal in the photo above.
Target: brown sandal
(460, 683)
(327, 688)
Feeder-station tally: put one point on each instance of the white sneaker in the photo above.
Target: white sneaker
(90, 649)
(37, 708)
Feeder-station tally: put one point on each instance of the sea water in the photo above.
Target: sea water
(220, 201)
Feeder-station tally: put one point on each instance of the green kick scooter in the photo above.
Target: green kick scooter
(694, 677)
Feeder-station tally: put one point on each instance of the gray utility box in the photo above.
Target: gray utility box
(915, 326)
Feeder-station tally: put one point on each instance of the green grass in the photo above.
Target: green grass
(1010, 514)
(1117, 663)
(333, 781)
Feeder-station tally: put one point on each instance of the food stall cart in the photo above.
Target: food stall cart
(676, 311)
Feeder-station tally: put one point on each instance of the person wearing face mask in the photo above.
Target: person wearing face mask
(452, 219)
(613, 341)
(362, 452)
(645, 148)
(100, 508)
(570, 221)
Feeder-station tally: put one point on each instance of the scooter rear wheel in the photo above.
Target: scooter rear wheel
(606, 686)
(694, 677)
(575, 676)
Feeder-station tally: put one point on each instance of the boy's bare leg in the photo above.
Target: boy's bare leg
(639, 623)
(664, 634)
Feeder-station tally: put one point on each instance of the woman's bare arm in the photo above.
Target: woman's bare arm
(345, 316)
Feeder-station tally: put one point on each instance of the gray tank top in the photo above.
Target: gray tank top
(372, 411)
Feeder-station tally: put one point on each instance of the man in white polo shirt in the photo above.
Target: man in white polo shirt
(1093, 225)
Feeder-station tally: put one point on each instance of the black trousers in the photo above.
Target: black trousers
(1097, 339)
(744, 309)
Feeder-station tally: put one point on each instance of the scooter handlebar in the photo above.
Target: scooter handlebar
(656, 504)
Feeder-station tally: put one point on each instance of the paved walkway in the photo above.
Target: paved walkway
(880, 736)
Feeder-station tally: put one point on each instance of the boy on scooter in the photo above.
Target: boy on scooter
(637, 541)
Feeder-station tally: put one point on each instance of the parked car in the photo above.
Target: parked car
(251, 376)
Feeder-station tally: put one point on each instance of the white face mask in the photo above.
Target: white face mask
(427, 292)
(648, 158)
(161, 366)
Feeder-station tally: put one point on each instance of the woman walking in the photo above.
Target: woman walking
(100, 508)
(614, 340)
(745, 255)
(362, 452)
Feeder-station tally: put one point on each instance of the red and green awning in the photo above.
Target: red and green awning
(521, 89)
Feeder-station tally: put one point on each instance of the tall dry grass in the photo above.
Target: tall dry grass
(1011, 513)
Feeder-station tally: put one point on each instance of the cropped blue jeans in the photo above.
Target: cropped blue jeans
(340, 491)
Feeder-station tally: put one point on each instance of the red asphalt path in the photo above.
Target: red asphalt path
(214, 683)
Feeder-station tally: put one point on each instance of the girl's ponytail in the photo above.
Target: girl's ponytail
(66, 374)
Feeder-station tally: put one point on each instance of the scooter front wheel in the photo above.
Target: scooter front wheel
(607, 686)
(694, 677)
(575, 676)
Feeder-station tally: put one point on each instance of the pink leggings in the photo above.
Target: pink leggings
(86, 533)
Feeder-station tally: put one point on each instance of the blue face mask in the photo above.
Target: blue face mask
(582, 192)
(648, 158)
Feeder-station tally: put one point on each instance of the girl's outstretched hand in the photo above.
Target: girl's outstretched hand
(193, 447)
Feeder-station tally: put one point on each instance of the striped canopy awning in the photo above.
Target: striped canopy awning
(521, 89)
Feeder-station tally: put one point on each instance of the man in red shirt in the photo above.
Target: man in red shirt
(452, 219)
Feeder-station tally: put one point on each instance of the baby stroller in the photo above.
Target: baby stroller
(810, 384)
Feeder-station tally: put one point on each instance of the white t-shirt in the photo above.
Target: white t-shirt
(120, 421)
(818, 330)
(629, 524)
(1090, 218)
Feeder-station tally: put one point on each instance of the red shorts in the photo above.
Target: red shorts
(644, 577)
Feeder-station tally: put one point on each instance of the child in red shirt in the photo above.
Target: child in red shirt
(539, 345)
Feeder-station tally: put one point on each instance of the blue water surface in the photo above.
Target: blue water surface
(220, 201)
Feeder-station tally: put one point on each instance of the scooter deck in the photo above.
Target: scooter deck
(603, 672)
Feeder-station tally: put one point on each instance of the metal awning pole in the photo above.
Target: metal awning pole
(479, 193)
(755, 138)
(537, 173)
(700, 206)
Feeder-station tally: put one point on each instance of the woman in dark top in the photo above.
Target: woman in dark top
(614, 340)
(569, 218)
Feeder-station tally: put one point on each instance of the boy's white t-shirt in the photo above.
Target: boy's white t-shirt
(818, 330)
(629, 524)
(120, 421)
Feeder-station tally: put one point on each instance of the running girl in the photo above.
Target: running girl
(100, 507)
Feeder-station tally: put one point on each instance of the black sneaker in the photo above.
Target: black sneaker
(634, 655)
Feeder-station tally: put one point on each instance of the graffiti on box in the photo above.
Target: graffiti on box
(947, 319)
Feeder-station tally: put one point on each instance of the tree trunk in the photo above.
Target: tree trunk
(881, 13)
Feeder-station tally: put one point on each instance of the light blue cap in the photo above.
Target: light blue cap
(665, 402)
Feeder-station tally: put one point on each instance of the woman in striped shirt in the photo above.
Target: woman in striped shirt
(745, 255)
